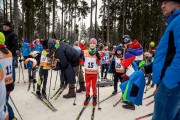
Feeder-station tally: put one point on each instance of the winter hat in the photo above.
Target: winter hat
(126, 39)
(7, 23)
(82, 41)
(76, 43)
(119, 48)
(26, 40)
(152, 44)
(51, 43)
(2, 38)
(178, 1)
(37, 41)
(93, 40)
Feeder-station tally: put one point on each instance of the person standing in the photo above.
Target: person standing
(6, 62)
(11, 42)
(67, 58)
(3, 107)
(78, 70)
(165, 67)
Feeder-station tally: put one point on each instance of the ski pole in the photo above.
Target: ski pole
(98, 91)
(19, 75)
(16, 108)
(22, 70)
(55, 81)
(77, 84)
(50, 85)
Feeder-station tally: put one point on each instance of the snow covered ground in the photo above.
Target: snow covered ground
(32, 109)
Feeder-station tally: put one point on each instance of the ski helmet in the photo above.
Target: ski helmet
(126, 39)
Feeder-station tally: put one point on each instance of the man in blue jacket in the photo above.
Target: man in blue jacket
(166, 65)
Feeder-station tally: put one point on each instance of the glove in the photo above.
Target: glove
(98, 55)
(20, 60)
(142, 64)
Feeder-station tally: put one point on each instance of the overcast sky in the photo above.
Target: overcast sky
(87, 20)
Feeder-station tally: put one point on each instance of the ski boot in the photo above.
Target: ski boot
(38, 93)
(71, 93)
(94, 100)
(114, 92)
(44, 94)
(86, 101)
(129, 106)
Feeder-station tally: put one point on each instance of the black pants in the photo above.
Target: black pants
(67, 75)
(117, 76)
(103, 68)
(43, 75)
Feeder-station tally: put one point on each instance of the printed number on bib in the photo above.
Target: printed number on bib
(90, 64)
(8, 70)
(118, 65)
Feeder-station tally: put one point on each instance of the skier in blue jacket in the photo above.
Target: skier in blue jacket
(25, 50)
(166, 65)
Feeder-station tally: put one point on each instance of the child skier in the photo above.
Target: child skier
(104, 62)
(116, 65)
(25, 50)
(91, 60)
(32, 63)
(6, 62)
(3, 107)
(45, 65)
(38, 46)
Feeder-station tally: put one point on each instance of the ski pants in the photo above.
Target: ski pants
(43, 76)
(67, 75)
(117, 76)
(13, 69)
(79, 73)
(167, 103)
(10, 110)
(91, 80)
(103, 68)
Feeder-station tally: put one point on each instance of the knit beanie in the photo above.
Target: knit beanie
(2, 38)
(93, 40)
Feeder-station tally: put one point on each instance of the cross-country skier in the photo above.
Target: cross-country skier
(91, 60)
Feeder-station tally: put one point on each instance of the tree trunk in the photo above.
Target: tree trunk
(96, 21)
(108, 22)
(124, 16)
(16, 16)
(103, 24)
(53, 26)
(91, 23)
(23, 18)
(62, 20)
(11, 16)
(4, 10)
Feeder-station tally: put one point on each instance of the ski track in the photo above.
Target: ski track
(32, 109)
